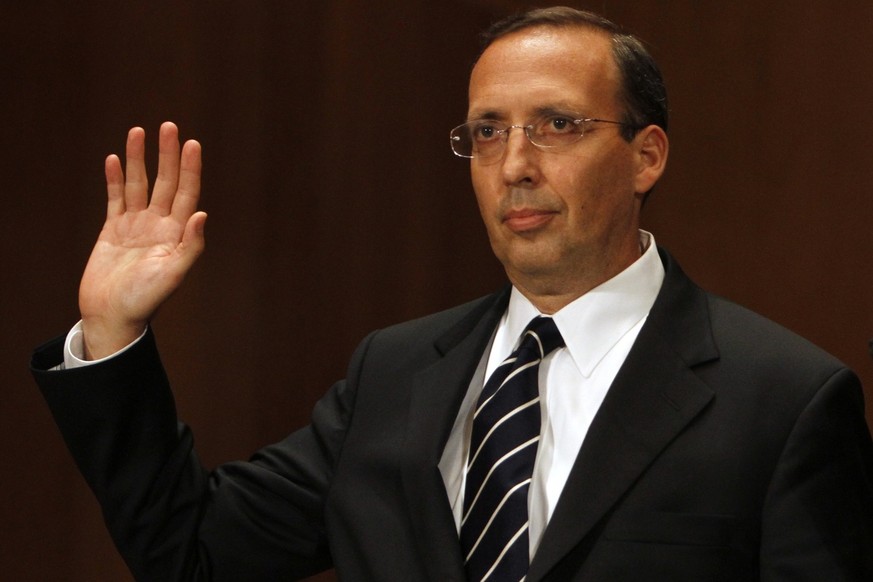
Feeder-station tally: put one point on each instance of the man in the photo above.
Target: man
(676, 436)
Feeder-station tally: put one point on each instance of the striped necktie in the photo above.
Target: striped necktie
(503, 448)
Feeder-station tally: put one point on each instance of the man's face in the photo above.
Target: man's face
(556, 218)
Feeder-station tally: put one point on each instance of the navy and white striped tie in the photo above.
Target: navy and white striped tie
(503, 448)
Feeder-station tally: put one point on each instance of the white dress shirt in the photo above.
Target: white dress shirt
(74, 349)
(599, 329)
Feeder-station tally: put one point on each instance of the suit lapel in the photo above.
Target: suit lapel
(436, 396)
(654, 396)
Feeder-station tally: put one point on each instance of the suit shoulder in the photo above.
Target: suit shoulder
(430, 328)
(746, 336)
(412, 345)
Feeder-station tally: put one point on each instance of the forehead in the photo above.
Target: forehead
(545, 67)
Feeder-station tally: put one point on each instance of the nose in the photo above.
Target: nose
(520, 163)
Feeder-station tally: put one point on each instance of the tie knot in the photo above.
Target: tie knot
(541, 335)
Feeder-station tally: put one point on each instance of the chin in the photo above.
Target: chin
(534, 267)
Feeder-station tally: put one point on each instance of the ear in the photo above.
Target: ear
(652, 147)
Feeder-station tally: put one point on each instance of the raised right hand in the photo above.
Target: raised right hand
(146, 246)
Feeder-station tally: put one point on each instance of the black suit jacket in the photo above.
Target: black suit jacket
(727, 448)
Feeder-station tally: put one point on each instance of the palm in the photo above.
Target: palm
(147, 245)
(132, 265)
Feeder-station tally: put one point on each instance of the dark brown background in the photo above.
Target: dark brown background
(336, 206)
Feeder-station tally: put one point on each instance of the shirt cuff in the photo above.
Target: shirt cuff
(74, 349)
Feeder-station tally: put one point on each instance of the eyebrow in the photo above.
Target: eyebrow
(487, 114)
(542, 111)
(559, 110)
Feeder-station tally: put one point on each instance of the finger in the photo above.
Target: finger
(188, 192)
(136, 185)
(114, 186)
(168, 169)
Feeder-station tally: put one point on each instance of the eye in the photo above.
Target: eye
(559, 124)
(484, 131)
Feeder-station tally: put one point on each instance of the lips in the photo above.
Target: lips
(527, 219)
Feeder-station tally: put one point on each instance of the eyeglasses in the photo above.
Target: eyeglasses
(486, 138)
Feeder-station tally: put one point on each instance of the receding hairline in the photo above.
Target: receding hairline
(556, 17)
(609, 47)
(535, 29)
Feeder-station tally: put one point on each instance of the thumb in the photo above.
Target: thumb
(193, 239)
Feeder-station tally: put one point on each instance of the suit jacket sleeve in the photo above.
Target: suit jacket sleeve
(170, 518)
(818, 513)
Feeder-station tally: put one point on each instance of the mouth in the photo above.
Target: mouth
(527, 219)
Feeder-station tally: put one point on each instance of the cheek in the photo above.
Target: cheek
(577, 187)
(596, 182)
(484, 190)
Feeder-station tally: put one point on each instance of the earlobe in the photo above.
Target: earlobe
(652, 157)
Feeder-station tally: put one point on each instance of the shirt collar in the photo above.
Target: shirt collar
(592, 324)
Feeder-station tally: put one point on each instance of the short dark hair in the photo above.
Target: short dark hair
(642, 86)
